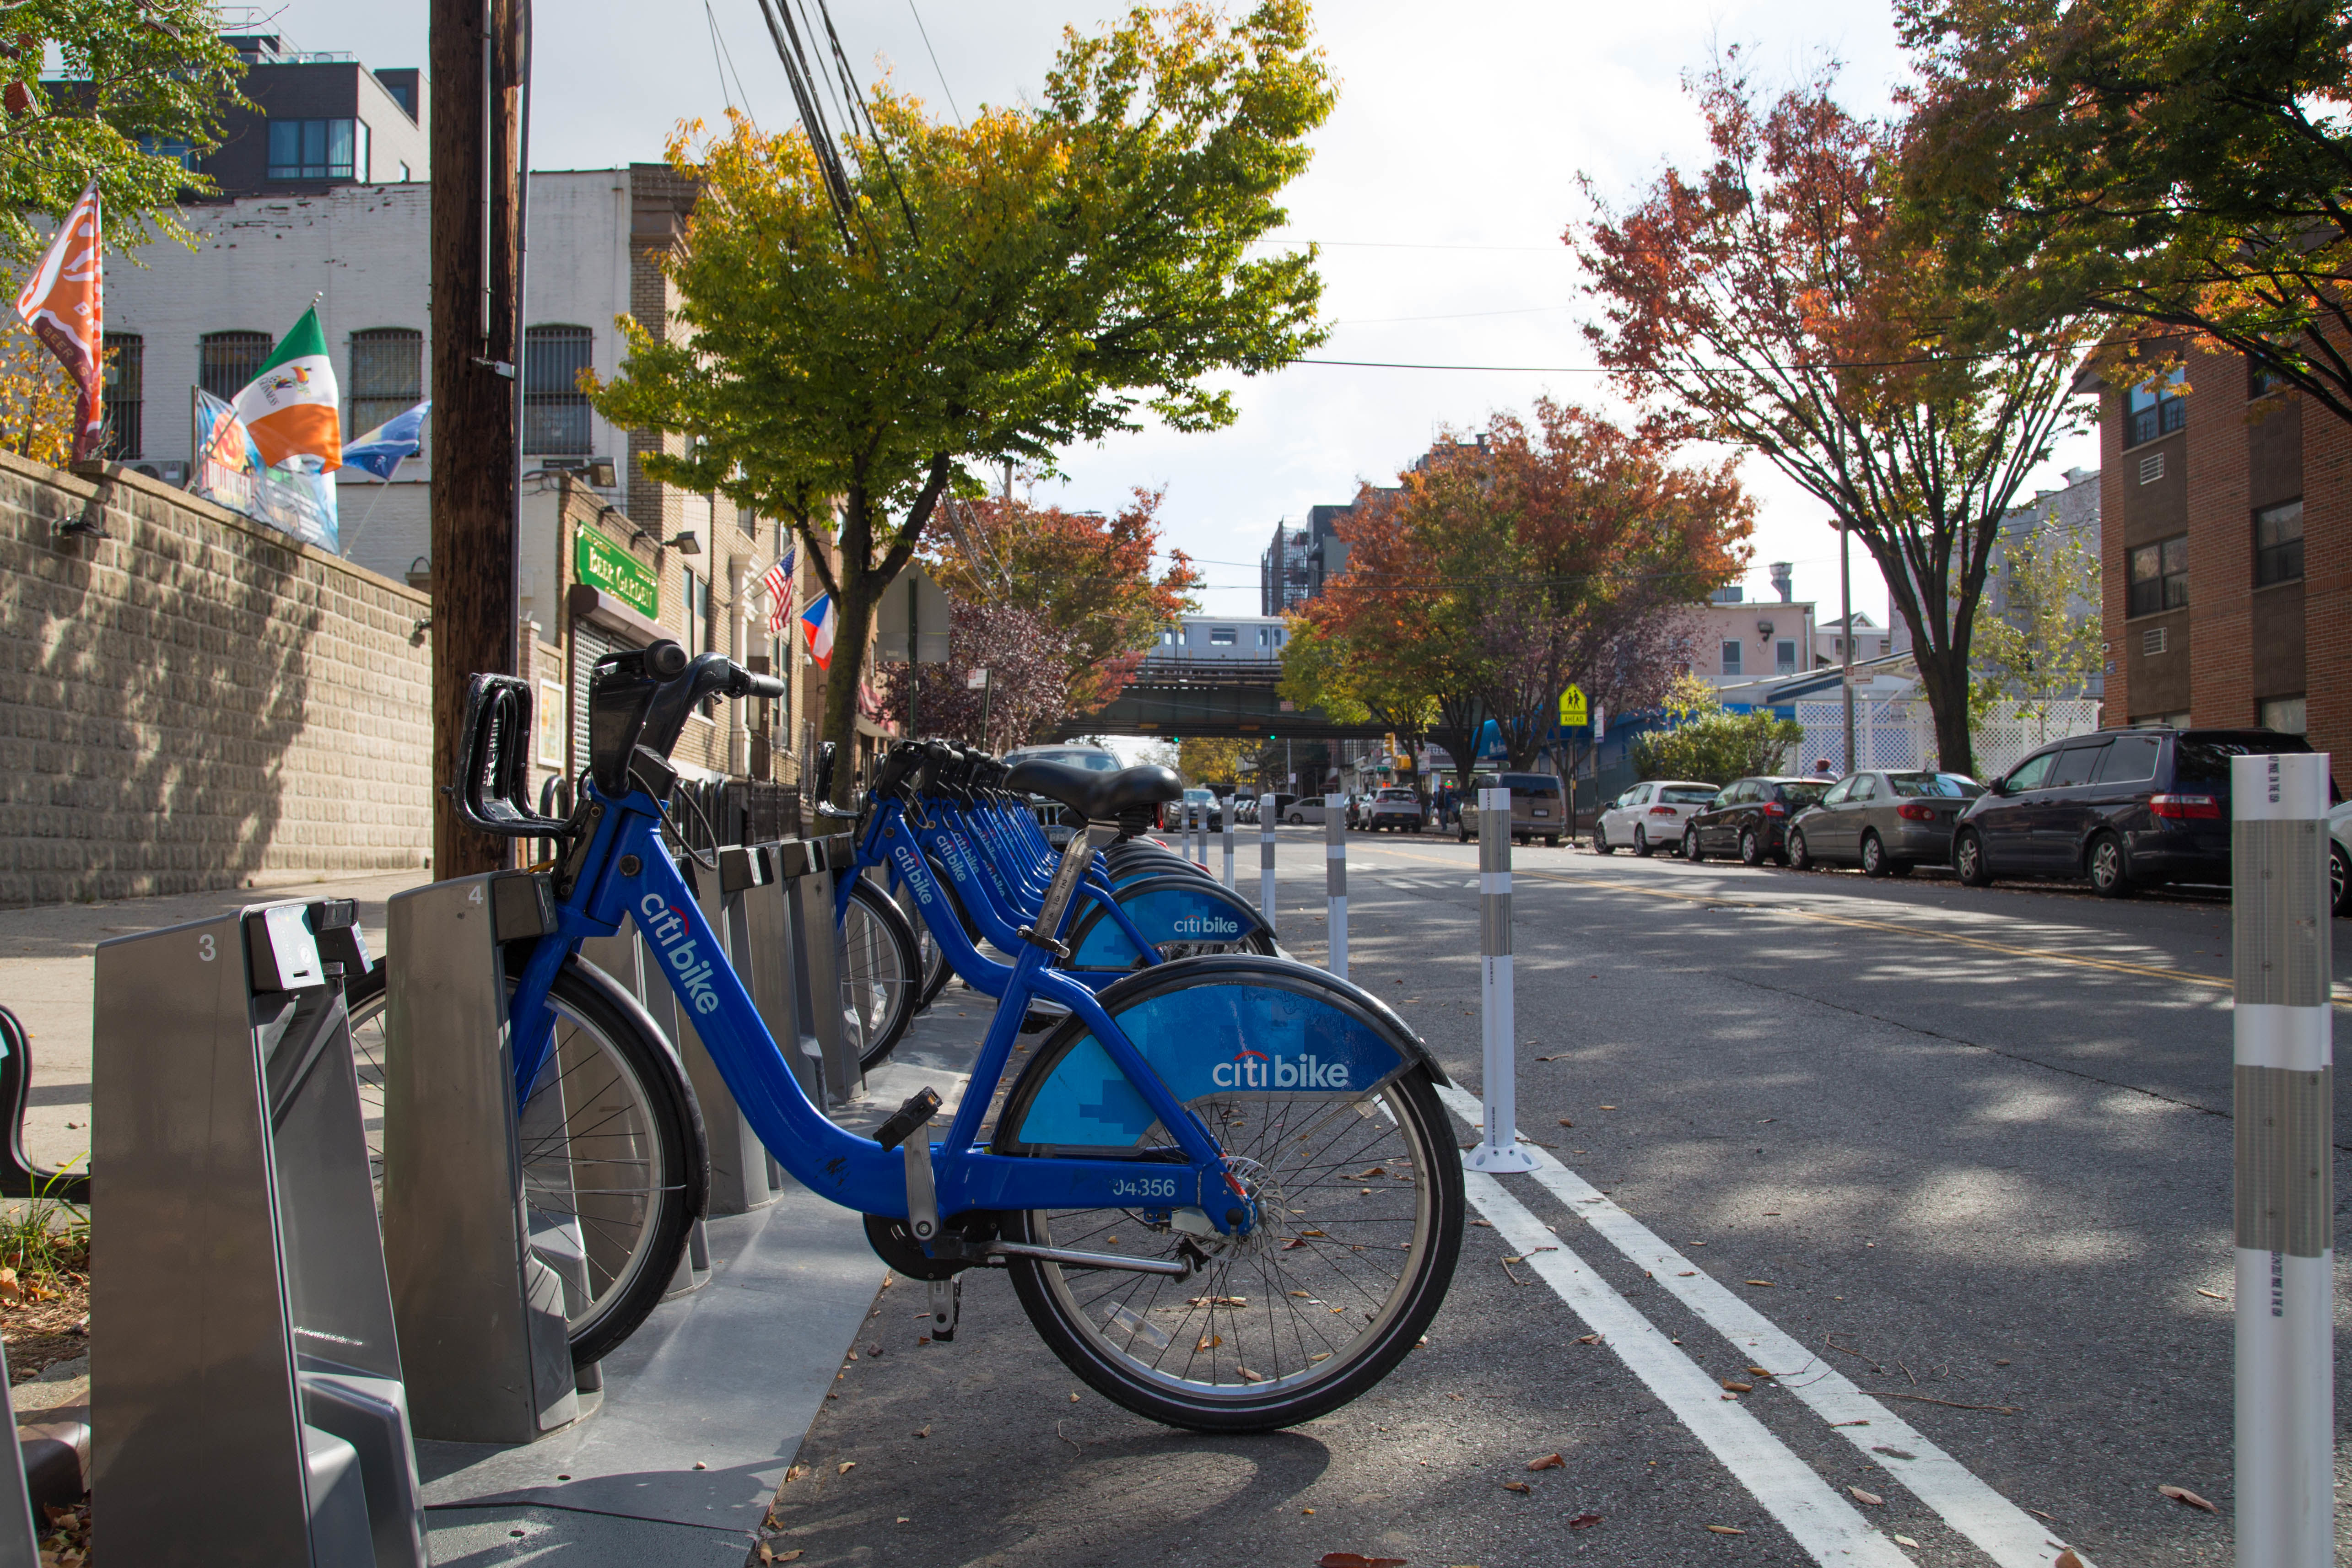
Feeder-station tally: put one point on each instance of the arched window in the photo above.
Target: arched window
(387, 375)
(554, 409)
(126, 392)
(226, 361)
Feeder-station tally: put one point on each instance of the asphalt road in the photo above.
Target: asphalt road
(1952, 1166)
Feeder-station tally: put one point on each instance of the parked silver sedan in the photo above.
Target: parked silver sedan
(1885, 822)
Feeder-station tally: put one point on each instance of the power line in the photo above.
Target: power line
(926, 32)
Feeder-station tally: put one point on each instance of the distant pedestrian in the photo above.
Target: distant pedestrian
(1821, 769)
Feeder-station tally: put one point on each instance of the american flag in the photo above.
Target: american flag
(779, 584)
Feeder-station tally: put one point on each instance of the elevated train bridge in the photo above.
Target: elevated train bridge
(1225, 699)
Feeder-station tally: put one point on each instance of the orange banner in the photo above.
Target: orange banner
(64, 304)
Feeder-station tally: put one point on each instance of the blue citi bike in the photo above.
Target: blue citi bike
(1222, 1185)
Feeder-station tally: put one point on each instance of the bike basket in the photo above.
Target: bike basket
(493, 787)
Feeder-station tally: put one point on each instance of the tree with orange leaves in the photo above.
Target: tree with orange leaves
(1768, 301)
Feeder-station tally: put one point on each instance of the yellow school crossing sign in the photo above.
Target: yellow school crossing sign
(1573, 712)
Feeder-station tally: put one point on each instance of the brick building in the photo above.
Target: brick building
(2226, 547)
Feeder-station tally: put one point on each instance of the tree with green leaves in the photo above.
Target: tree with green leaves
(865, 336)
(2044, 642)
(139, 76)
(2176, 168)
(1706, 744)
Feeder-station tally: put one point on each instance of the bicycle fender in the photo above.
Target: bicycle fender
(1218, 1026)
(1170, 907)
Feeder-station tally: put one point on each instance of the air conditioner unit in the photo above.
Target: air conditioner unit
(173, 472)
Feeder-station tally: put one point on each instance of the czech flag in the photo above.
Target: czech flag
(293, 407)
(818, 621)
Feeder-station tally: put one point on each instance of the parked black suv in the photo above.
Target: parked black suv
(2125, 808)
(1750, 817)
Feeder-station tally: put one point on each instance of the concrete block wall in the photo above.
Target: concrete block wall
(196, 701)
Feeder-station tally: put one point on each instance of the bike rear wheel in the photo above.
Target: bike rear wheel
(614, 1165)
(881, 972)
(1362, 1213)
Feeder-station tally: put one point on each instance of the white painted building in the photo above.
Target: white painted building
(197, 317)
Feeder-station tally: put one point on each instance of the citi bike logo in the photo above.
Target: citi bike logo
(1206, 926)
(910, 869)
(1255, 1070)
(667, 926)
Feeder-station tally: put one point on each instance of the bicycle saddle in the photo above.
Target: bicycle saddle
(1096, 797)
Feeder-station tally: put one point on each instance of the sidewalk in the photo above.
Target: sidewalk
(46, 980)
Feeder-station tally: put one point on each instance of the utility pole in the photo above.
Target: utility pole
(1846, 607)
(478, 54)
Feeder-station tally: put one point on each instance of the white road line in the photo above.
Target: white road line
(1828, 1528)
(2007, 1533)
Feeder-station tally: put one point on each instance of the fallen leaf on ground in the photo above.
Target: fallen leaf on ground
(1074, 1399)
(1209, 1341)
(1518, 1486)
(1872, 1498)
(1376, 1170)
(2051, 1517)
(2067, 1559)
(924, 1433)
(2215, 1294)
(1549, 1462)
(1219, 1301)
(1249, 1377)
(2182, 1494)
(1608, 1107)
(1725, 1530)
(1766, 1283)
(1588, 1339)
(1566, 1123)
(1759, 1372)
(1584, 1522)
(1356, 1560)
(770, 1555)
(846, 1466)
(1906, 1541)
(1735, 1386)
(1483, 1224)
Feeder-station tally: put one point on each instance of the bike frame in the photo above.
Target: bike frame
(625, 873)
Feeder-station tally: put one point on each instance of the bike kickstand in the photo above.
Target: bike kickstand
(947, 1303)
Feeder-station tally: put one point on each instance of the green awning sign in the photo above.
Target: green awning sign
(599, 562)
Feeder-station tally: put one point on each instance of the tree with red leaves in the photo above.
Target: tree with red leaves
(1026, 687)
(1768, 301)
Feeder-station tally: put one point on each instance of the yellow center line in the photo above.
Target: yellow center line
(2147, 971)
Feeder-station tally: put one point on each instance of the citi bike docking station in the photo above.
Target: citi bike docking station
(1172, 1136)
(250, 1405)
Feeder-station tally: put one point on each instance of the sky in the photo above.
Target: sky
(1439, 191)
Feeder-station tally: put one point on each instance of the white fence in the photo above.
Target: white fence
(1899, 732)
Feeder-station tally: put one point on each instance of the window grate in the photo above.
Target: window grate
(2153, 640)
(226, 361)
(126, 381)
(555, 421)
(387, 375)
(2151, 468)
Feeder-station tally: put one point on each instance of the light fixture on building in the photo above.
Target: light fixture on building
(600, 473)
(684, 544)
(1763, 628)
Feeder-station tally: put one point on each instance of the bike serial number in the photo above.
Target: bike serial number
(1143, 1187)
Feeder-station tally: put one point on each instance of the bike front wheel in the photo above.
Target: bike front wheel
(614, 1165)
(881, 972)
(1361, 1213)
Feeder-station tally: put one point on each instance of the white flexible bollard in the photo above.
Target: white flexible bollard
(1335, 878)
(1268, 811)
(2285, 1094)
(1497, 1152)
(1226, 823)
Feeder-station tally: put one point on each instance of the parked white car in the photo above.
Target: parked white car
(1650, 816)
(2339, 859)
(1303, 810)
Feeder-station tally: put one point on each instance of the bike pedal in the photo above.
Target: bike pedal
(947, 1305)
(919, 1108)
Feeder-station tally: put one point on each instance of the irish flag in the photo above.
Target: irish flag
(293, 407)
(817, 621)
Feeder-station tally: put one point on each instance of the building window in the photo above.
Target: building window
(226, 361)
(2261, 380)
(126, 382)
(2156, 409)
(2278, 544)
(1784, 656)
(387, 375)
(554, 409)
(1221, 637)
(318, 149)
(1732, 656)
(2285, 714)
(2160, 575)
(178, 152)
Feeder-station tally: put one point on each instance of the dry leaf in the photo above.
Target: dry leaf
(1356, 1560)
(1209, 1341)
(1725, 1530)
(1074, 1399)
(2215, 1294)
(1518, 1486)
(1249, 1377)
(2067, 1559)
(1483, 1224)
(846, 1466)
(1376, 1170)
(2182, 1494)
(10, 1291)
(1872, 1498)
(1584, 1522)
(1759, 1372)
(1906, 1541)
(924, 1433)
(1767, 1284)
(1588, 1339)
(1566, 1123)
(1735, 1386)
(1608, 1107)
(1549, 1462)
